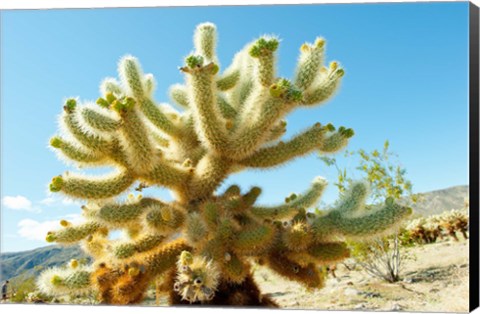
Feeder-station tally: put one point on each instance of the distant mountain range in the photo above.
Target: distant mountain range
(438, 201)
(31, 263)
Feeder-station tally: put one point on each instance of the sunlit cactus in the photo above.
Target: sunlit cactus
(448, 223)
(453, 221)
(204, 243)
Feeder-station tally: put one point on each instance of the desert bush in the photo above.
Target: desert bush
(380, 256)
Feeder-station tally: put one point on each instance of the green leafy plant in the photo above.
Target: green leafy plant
(379, 256)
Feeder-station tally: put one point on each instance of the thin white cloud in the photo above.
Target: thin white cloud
(47, 201)
(52, 200)
(35, 230)
(19, 202)
(70, 202)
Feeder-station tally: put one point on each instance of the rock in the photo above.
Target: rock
(408, 280)
(360, 306)
(351, 292)
(396, 307)
(372, 294)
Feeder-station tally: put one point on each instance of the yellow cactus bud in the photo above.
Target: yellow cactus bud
(166, 213)
(50, 238)
(133, 271)
(56, 280)
(110, 97)
(187, 163)
(186, 258)
(64, 223)
(320, 42)
(305, 48)
(73, 263)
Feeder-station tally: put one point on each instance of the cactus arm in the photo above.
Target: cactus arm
(165, 219)
(226, 110)
(297, 237)
(308, 276)
(111, 85)
(210, 171)
(99, 120)
(210, 214)
(150, 84)
(158, 118)
(240, 95)
(320, 254)
(132, 78)
(254, 239)
(335, 141)
(205, 41)
(136, 141)
(160, 140)
(117, 153)
(251, 137)
(277, 131)
(195, 229)
(272, 104)
(179, 94)
(353, 201)
(166, 174)
(282, 152)
(143, 244)
(73, 153)
(244, 87)
(306, 200)
(123, 215)
(264, 52)
(309, 63)
(371, 223)
(58, 281)
(326, 87)
(70, 120)
(72, 234)
(228, 80)
(234, 269)
(165, 257)
(329, 252)
(205, 110)
(92, 187)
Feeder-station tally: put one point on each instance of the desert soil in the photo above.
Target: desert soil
(434, 279)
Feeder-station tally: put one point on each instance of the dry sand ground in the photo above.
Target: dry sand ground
(435, 280)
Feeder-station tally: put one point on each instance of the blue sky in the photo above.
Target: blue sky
(406, 81)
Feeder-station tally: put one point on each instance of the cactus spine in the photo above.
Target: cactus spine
(202, 244)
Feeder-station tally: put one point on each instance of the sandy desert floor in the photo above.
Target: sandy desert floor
(435, 279)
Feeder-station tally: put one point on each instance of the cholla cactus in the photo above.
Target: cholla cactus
(203, 244)
(428, 229)
(453, 221)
